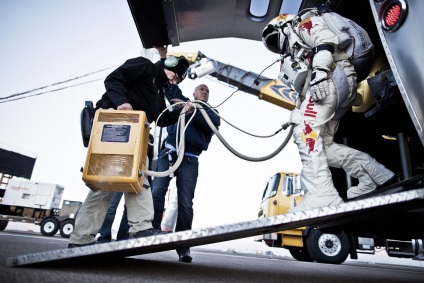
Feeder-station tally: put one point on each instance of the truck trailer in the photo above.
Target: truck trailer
(40, 204)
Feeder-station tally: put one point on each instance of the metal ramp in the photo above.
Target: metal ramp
(325, 216)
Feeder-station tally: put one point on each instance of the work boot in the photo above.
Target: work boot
(148, 233)
(184, 255)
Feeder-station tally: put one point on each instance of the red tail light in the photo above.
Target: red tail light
(391, 14)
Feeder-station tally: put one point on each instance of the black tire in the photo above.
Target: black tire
(3, 224)
(300, 254)
(328, 248)
(67, 227)
(49, 226)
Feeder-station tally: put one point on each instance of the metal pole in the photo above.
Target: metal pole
(405, 158)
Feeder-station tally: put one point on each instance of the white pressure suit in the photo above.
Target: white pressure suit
(331, 93)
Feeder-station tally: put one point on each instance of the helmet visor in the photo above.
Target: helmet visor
(270, 38)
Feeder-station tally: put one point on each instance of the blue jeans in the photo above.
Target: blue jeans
(106, 229)
(186, 179)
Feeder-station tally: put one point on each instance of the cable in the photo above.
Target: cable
(278, 60)
(236, 153)
(58, 83)
(241, 130)
(50, 91)
(181, 146)
(180, 149)
(255, 81)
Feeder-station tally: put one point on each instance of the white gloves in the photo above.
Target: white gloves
(319, 85)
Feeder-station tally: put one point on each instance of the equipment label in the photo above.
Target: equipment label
(115, 133)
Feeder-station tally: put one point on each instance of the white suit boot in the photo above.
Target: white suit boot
(360, 165)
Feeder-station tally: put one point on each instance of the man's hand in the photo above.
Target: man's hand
(189, 107)
(319, 85)
(177, 103)
(125, 106)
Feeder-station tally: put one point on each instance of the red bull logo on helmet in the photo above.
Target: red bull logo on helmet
(284, 17)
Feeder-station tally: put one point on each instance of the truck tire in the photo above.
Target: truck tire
(49, 226)
(328, 248)
(67, 227)
(3, 224)
(300, 254)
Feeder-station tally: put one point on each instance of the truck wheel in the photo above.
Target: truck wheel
(49, 226)
(67, 228)
(328, 248)
(300, 254)
(3, 224)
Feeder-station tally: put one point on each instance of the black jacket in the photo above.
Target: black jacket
(140, 83)
(198, 134)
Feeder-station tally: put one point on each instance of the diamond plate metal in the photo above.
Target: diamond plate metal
(219, 233)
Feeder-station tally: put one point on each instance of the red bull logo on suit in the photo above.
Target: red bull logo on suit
(307, 25)
(309, 137)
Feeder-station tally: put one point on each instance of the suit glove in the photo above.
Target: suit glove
(319, 88)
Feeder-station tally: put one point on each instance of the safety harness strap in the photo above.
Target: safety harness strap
(321, 47)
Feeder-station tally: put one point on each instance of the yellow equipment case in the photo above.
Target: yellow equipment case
(117, 151)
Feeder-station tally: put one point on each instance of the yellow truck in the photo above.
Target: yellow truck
(283, 191)
(325, 245)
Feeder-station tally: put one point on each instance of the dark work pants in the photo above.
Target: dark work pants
(186, 179)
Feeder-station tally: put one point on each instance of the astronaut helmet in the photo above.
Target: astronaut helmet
(274, 35)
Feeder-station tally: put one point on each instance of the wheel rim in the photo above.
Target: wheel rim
(68, 228)
(49, 227)
(329, 244)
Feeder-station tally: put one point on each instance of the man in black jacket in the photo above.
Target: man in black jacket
(138, 84)
(197, 138)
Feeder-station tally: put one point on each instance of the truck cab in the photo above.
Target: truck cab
(282, 192)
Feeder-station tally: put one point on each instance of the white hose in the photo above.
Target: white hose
(236, 153)
(181, 144)
(180, 153)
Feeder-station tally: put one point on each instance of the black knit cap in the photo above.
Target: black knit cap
(180, 68)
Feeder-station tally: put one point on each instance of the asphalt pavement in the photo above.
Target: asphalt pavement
(207, 266)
